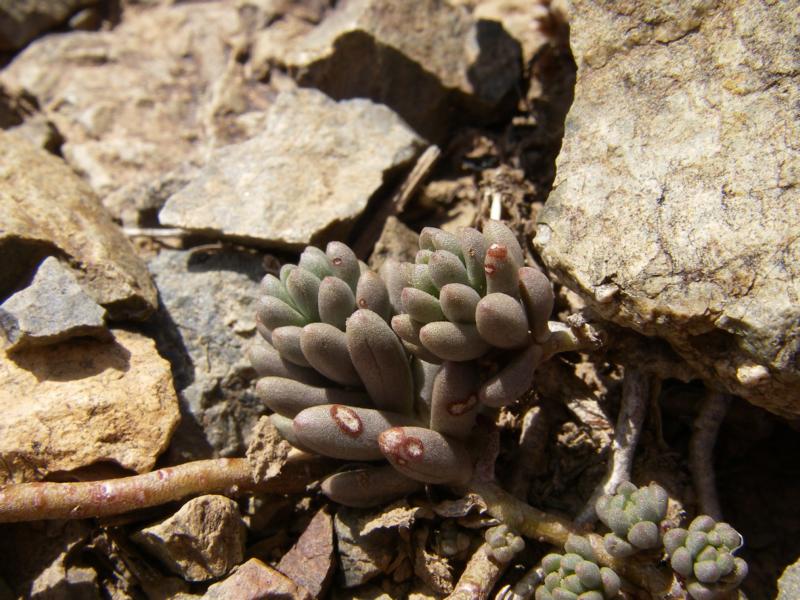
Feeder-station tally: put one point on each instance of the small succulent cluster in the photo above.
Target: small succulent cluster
(504, 544)
(634, 517)
(703, 556)
(469, 293)
(576, 575)
(344, 383)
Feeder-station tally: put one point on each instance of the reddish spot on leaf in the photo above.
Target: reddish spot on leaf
(347, 420)
(462, 406)
(498, 251)
(337, 261)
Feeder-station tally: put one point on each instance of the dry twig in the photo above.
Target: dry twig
(635, 398)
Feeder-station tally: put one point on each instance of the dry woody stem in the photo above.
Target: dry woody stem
(635, 399)
(51, 500)
(479, 577)
(701, 452)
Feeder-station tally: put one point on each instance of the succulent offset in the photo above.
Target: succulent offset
(634, 517)
(344, 383)
(702, 556)
(575, 575)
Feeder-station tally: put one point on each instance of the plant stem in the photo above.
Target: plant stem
(51, 500)
(701, 452)
(635, 399)
(545, 527)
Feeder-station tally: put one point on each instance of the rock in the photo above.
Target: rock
(789, 582)
(310, 173)
(203, 540)
(206, 321)
(46, 209)
(42, 560)
(361, 557)
(256, 581)
(397, 241)
(310, 561)
(20, 22)
(267, 452)
(137, 102)
(676, 207)
(51, 309)
(426, 59)
(80, 402)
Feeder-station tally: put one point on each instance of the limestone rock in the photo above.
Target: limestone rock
(361, 557)
(206, 320)
(46, 209)
(53, 308)
(137, 102)
(79, 402)
(426, 59)
(203, 540)
(314, 168)
(789, 582)
(22, 21)
(256, 581)
(676, 207)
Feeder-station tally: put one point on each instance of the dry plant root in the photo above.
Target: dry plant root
(701, 452)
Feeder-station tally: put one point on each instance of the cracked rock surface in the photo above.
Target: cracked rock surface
(676, 210)
(313, 168)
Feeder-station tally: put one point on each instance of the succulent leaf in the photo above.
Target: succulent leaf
(453, 341)
(325, 348)
(473, 250)
(458, 302)
(371, 293)
(345, 432)
(454, 402)
(501, 271)
(501, 321)
(445, 267)
(426, 455)
(344, 263)
(513, 380)
(288, 397)
(368, 486)
(381, 361)
(286, 341)
(274, 312)
(268, 362)
(537, 296)
(422, 306)
(335, 302)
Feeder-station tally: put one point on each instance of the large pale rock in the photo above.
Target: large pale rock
(79, 402)
(206, 320)
(203, 540)
(676, 208)
(426, 59)
(314, 168)
(22, 20)
(46, 209)
(137, 102)
(51, 309)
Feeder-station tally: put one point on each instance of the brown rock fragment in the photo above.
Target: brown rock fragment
(72, 404)
(256, 581)
(310, 561)
(203, 540)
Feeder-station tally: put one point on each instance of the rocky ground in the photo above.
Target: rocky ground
(157, 158)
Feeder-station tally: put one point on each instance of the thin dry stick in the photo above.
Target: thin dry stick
(51, 500)
(479, 576)
(544, 527)
(701, 452)
(635, 398)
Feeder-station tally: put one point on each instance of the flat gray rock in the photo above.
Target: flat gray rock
(51, 309)
(206, 320)
(426, 59)
(314, 168)
(676, 207)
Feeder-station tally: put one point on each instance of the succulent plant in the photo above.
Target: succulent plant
(468, 294)
(634, 516)
(575, 575)
(504, 543)
(702, 556)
